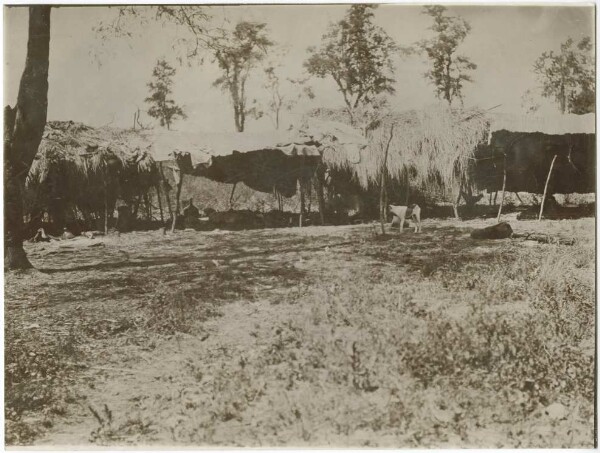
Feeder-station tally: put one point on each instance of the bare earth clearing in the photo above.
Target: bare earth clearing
(321, 336)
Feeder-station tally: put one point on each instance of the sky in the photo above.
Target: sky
(103, 81)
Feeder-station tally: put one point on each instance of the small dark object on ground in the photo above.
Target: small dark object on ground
(501, 230)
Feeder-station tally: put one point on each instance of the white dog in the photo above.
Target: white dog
(407, 212)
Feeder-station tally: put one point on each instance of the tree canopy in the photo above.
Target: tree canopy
(237, 52)
(161, 107)
(449, 71)
(569, 76)
(357, 55)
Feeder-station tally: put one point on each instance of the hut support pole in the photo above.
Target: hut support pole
(546, 187)
(519, 198)
(160, 208)
(309, 194)
(406, 197)
(383, 191)
(503, 189)
(231, 196)
(301, 186)
(320, 196)
(105, 209)
(166, 190)
(179, 181)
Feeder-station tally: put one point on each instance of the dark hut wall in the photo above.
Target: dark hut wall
(528, 159)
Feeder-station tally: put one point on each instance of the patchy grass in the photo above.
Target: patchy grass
(309, 337)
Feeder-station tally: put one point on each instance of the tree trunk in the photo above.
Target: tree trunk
(23, 129)
(503, 189)
(546, 187)
(455, 203)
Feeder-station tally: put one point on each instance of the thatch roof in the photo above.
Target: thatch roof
(201, 146)
(435, 142)
(264, 161)
(88, 150)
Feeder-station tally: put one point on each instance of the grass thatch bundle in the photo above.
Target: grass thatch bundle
(435, 143)
(87, 168)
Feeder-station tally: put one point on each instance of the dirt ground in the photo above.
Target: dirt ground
(312, 337)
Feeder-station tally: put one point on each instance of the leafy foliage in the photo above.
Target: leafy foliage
(356, 54)
(569, 76)
(162, 107)
(237, 53)
(132, 20)
(449, 71)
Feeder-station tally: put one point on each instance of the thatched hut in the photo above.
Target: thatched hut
(430, 148)
(83, 172)
(283, 163)
(520, 151)
(80, 172)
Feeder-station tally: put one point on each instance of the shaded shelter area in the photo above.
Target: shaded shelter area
(276, 169)
(525, 148)
(529, 156)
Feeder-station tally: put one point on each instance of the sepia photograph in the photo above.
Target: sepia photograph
(299, 226)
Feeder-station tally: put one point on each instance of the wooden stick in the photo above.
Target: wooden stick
(383, 191)
(301, 185)
(231, 196)
(503, 189)
(160, 208)
(320, 195)
(546, 187)
(179, 180)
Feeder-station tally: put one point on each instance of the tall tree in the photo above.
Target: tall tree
(449, 71)
(357, 55)
(283, 92)
(237, 52)
(569, 76)
(161, 107)
(23, 129)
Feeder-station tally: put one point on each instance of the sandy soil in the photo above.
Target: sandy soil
(302, 337)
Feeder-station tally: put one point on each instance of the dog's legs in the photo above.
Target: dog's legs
(417, 218)
(402, 222)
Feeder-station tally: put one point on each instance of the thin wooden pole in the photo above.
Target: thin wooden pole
(546, 187)
(105, 201)
(179, 180)
(231, 196)
(503, 189)
(160, 208)
(166, 190)
(301, 185)
(406, 197)
(383, 191)
(148, 206)
(320, 195)
(105, 209)
(519, 198)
